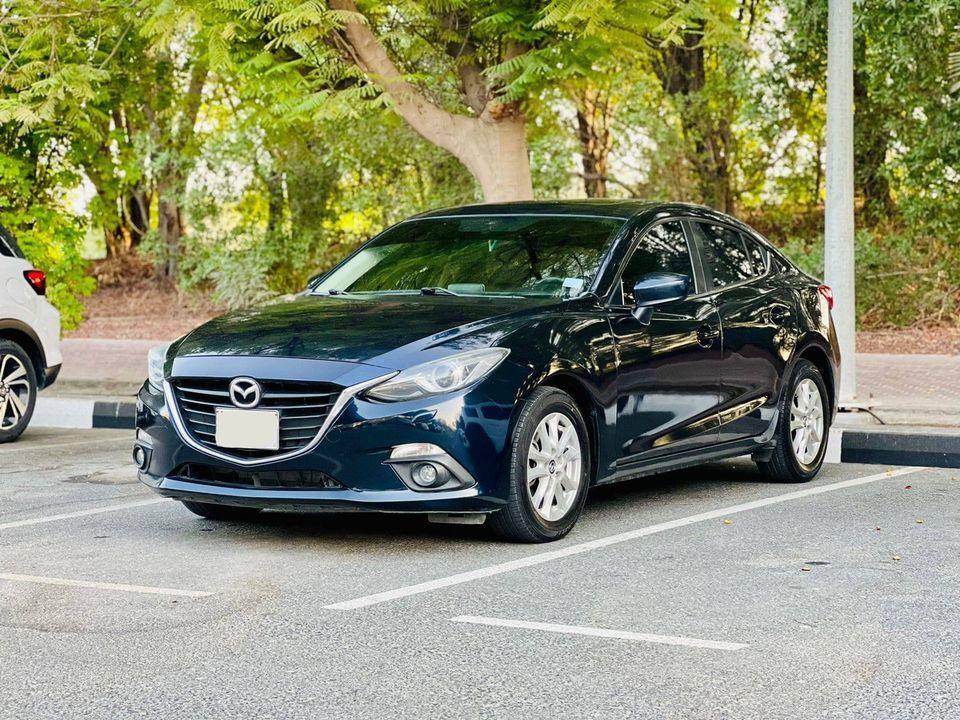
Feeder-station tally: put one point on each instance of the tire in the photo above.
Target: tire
(18, 390)
(230, 513)
(525, 518)
(785, 464)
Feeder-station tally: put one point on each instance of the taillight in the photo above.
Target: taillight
(37, 280)
(827, 294)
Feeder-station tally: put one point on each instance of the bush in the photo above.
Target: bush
(52, 242)
(904, 276)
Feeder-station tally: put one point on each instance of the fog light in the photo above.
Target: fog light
(428, 475)
(140, 457)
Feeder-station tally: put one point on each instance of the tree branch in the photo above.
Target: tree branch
(432, 122)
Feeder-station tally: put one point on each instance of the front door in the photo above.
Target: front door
(668, 371)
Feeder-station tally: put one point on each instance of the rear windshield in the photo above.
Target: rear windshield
(528, 255)
(8, 245)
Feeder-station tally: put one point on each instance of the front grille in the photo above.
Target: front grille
(271, 480)
(303, 406)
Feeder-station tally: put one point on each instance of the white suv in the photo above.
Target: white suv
(29, 338)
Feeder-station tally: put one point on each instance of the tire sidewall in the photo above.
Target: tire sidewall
(546, 403)
(8, 347)
(806, 370)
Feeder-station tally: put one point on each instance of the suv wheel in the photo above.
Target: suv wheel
(18, 390)
(803, 428)
(549, 470)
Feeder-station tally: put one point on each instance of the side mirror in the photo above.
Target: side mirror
(655, 289)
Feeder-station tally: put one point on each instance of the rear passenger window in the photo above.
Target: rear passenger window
(725, 255)
(8, 246)
(662, 249)
(757, 254)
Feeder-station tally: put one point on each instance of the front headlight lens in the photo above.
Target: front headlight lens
(155, 361)
(439, 376)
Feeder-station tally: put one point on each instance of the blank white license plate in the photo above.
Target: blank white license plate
(248, 429)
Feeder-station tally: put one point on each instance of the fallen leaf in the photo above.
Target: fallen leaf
(919, 522)
(806, 568)
(876, 528)
(896, 557)
(909, 487)
(728, 522)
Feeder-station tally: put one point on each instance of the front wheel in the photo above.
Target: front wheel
(803, 428)
(212, 511)
(549, 470)
(18, 390)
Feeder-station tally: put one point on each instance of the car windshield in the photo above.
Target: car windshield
(528, 255)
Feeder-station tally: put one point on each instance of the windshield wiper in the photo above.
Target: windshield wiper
(437, 291)
(330, 292)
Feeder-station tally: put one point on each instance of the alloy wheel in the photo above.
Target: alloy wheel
(806, 421)
(14, 391)
(554, 467)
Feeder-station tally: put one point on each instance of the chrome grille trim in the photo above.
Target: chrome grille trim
(345, 396)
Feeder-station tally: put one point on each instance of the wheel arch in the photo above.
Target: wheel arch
(577, 387)
(816, 354)
(25, 337)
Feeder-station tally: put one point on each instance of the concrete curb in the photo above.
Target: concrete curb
(84, 413)
(890, 446)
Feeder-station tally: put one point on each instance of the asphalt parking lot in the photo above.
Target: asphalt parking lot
(704, 594)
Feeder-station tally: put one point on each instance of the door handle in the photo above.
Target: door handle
(707, 335)
(779, 314)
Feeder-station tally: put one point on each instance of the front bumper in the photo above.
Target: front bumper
(472, 427)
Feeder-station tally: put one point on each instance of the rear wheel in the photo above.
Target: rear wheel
(549, 470)
(802, 430)
(212, 511)
(18, 390)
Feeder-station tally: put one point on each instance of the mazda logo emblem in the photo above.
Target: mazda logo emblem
(245, 392)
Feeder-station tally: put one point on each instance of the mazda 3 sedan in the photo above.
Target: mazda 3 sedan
(492, 363)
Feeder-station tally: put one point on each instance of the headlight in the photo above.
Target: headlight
(439, 376)
(155, 360)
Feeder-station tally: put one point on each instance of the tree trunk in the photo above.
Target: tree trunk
(870, 142)
(138, 215)
(594, 114)
(170, 226)
(681, 70)
(492, 146)
(495, 153)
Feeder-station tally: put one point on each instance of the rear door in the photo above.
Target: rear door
(757, 315)
(668, 378)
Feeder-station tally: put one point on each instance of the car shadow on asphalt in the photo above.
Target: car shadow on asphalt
(398, 529)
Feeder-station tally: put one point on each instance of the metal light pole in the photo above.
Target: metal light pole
(839, 230)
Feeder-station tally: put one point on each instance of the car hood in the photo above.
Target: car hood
(366, 329)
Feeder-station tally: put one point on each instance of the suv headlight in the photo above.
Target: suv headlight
(439, 376)
(155, 360)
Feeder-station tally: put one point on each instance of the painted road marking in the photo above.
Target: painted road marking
(600, 633)
(551, 555)
(24, 446)
(143, 589)
(80, 513)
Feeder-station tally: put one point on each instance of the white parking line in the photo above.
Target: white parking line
(26, 445)
(551, 555)
(600, 633)
(81, 513)
(143, 589)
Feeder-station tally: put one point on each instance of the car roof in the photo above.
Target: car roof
(622, 209)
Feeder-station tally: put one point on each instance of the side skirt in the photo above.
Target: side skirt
(756, 446)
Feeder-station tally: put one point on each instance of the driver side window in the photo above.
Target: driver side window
(662, 249)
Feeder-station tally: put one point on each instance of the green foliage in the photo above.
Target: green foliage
(252, 123)
(52, 241)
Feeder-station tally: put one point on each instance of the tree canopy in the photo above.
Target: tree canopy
(244, 145)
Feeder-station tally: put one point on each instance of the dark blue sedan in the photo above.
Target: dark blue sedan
(492, 363)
